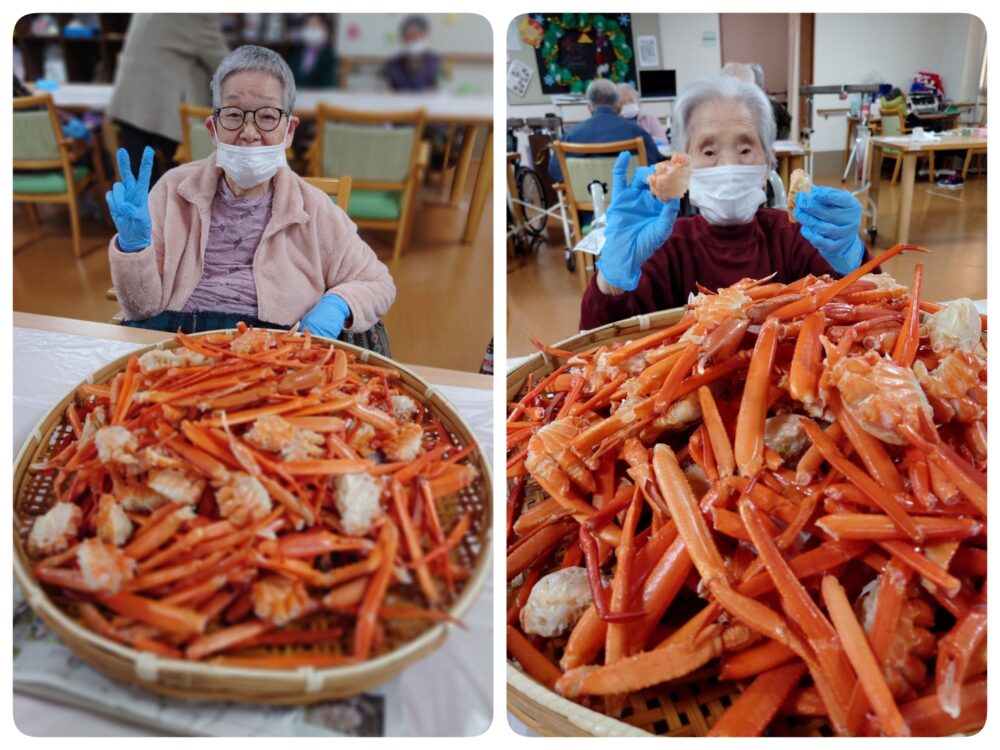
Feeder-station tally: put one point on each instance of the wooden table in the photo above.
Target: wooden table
(435, 375)
(942, 121)
(470, 112)
(911, 150)
(790, 156)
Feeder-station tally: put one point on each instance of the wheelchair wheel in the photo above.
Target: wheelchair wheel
(532, 194)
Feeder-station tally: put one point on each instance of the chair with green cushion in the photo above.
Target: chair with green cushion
(46, 168)
(381, 153)
(581, 164)
(196, 141)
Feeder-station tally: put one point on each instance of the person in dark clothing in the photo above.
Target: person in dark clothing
(314, 64)
(417, 67)
(652, 260)
(604, 125)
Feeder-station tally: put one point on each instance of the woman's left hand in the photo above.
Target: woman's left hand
(327, 317)
(831, 219)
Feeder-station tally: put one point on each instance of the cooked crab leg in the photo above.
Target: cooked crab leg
(954, 652)
(378, 583)
(759, 703)
(860, 654)
(749, 444)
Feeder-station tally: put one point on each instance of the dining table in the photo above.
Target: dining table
(472, 112)
(911, 148)
(447, 693)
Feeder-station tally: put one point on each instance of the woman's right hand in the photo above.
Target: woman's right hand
(127, 201)
(637, 224)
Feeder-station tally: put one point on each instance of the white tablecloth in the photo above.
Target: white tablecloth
(448, 693)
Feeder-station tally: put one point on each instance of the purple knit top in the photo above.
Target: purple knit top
(227, 283)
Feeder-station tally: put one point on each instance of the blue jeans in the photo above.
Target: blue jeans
(198, 322)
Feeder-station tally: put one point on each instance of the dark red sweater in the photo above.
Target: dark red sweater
(713, 256)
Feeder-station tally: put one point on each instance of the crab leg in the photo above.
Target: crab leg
(754, 660)
(717, 434)
(892, 505)
(534, 662)
(759, 703)
(859, 652)
(908, 342)
(749, 444)
(364, 632)
(954, 653)
(876, 527)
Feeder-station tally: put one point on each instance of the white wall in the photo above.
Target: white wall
(682, 48)
(377, 35)
(892, 48)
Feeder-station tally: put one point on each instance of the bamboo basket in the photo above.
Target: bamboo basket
(406, 642)
(683, 708)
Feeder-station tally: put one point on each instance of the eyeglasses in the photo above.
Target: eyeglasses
(265, 119)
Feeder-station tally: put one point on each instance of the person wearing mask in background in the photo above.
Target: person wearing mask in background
(313, 63)
(168, 59)
(238, 236)
(652, 259)
(604, 125)
(417, 67)
(629, 99)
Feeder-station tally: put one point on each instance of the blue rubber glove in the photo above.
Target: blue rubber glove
(127, 202)
(75, 128)
(327, 316)
(831, 219)
(638, 224)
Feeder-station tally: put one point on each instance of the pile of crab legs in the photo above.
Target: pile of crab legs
(655, 466)
(175, 533)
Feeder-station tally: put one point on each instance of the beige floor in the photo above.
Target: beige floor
(543, 298)
(442, 316)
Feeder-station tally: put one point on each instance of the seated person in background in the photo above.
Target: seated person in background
(313, 63)
(628, 97)
(652, 260)
(604, 125)
(416, 67)
(238, 235)
(754, 73)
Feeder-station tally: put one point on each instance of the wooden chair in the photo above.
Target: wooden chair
(894, 123)
(381, 152)
(46, 163)
(597, 163)
(338, 189)
(196, 141)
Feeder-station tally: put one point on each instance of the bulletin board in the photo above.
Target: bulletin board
(572, 49)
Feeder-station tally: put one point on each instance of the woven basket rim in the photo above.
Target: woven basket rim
(146, 663)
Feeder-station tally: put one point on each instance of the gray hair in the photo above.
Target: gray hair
(602, 93)
(252, 57)
(758, 74)
(625, 91)
(724, 88)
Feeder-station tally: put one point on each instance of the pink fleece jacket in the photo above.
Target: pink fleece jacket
(309, 248)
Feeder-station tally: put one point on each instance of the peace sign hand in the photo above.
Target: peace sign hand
(128, 203)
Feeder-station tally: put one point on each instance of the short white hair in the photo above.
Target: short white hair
(252, 57)
(724, 88)
(627, 92)
(602, 93)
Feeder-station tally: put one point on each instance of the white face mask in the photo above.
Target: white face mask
(728, 195)
(630, 111)
(249, 166)
(314, 36)
(414, 49)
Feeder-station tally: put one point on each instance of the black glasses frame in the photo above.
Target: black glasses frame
(218, 111)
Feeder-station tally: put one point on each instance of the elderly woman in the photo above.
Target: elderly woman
(652, 260)
(628, 97)
(238, 235)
